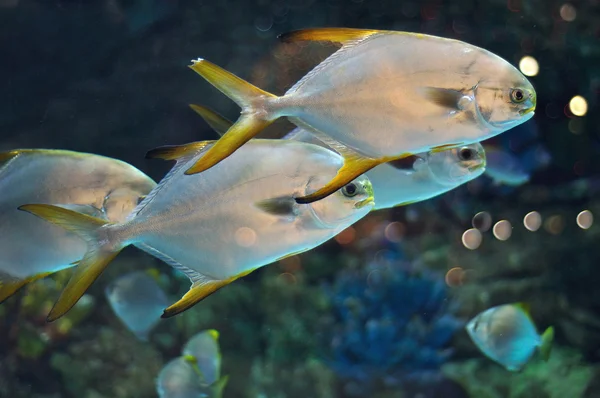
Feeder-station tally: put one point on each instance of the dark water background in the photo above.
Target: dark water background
(110, 77)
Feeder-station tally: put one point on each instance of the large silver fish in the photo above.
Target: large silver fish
(92, 184)
(223, 224)
(383, 96)
(397, 183)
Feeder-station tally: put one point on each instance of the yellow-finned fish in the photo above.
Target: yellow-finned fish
(383, 96)
(138, 301)
(223, 224)
(409, 180)
(95, 185)
(507, 335)
(181, 378)
(204, 348)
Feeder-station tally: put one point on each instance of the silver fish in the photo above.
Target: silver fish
(180, 378)
(223, 224)
(204, 348)
(383, 96)
(95, 185)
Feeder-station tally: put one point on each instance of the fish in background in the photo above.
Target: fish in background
(223, 224)
(506, 334)
(412, 179)
(181, 378)
(98, 186)
(138, 301)
(383, 96)
(204, 348)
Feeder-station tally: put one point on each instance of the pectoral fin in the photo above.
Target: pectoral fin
(283, 206)
(337, 35)
(216, 122)
(202, 287)
(446, 98)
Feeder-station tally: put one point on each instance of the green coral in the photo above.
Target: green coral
(564, 375)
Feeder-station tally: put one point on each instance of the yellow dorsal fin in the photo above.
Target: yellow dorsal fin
(216, 121)
(525, 307)
(9, 287)
(337, 35)
(6, 156)
(445, 147)
(174, 152)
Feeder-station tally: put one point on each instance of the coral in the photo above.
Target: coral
(564, 375)
(391, 323)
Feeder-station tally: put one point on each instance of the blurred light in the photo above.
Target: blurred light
(394, 231)
(529, 66)
(291, 263)
(585, 219)
(568, 12)
(346, 236)
(482, 221)
(455, 276)
(532, 221)
(287, 278)
(502, 230)
(471, 238)
(245, 237)
(554, 224)
(578, 105)
(575, 126)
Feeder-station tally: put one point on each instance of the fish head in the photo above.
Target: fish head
(345, 206)
(478, 329)
(505, 100)
(455, 166)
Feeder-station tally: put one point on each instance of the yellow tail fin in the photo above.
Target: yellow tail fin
(250, 123)
(216, 122)
(93, 263)
(546, 346)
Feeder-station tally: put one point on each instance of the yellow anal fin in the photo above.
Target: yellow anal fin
(354, 166)
(246, 127)
(174, 152)
(546, 343)
(198, 292)
(337, 35)
(9, 287)
(6, 156)
(216, 121)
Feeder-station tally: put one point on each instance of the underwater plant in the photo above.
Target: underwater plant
(392, 323)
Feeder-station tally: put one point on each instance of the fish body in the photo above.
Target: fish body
(384, 95)
(181, 379)
(92, 184)
(507, 335)
(204, 348)
(414, 179)
(138, 301)
(222, 224)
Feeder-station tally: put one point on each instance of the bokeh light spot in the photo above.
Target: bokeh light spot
(346, 236)
(554, 224)
(471, 238)
(585, 219)
(568, 12)
(578, 105)
(245, 237)
(532, 221)
(455, 277)
(529, 66)
(502, 230)
(482, 221)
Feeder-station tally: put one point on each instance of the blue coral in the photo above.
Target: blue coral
(392, 322)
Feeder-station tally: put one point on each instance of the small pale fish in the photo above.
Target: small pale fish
(98, 186)
(383, 96)
(505, 168)
(204, 347)
(138, 301)
(181, 378)
(409, 180)
(507, 335)
(223, 224)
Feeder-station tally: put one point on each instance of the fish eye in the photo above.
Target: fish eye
(350, 190)
(465, 154)
(517, 95)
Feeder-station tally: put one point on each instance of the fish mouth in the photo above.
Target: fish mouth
(476, 167)
(369, 201)
(526, 111)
